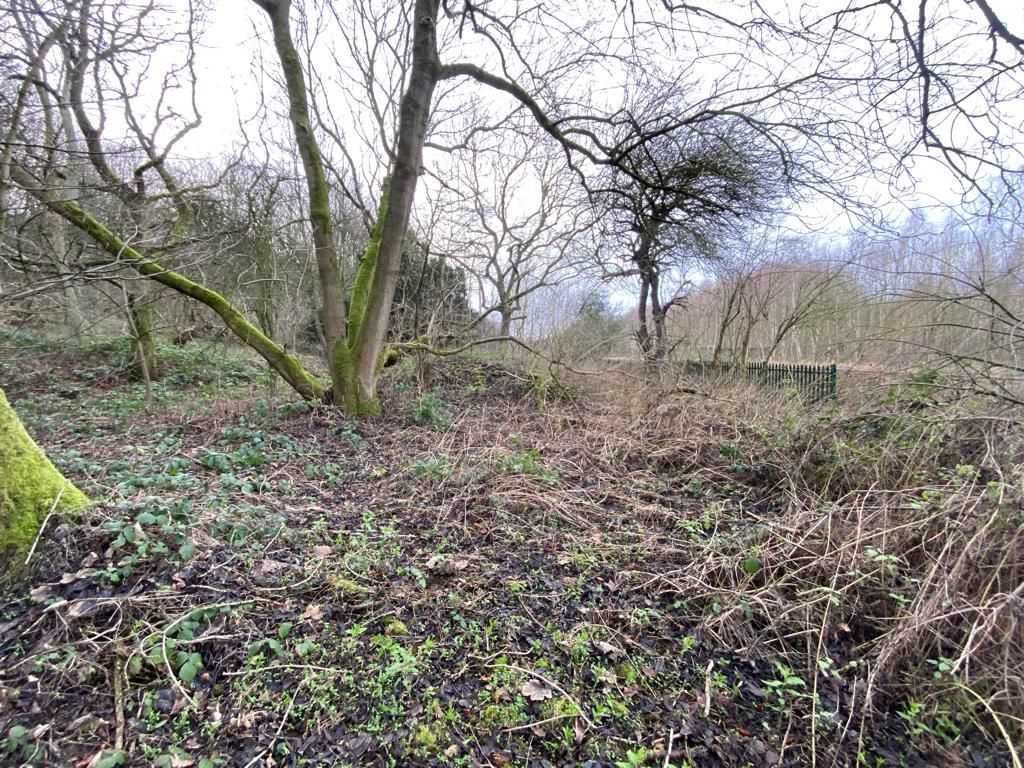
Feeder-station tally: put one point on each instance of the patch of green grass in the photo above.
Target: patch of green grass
(528, 462)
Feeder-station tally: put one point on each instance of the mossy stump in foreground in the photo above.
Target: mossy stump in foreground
(30, 486)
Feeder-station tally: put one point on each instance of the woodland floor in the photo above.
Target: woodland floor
(482, 577)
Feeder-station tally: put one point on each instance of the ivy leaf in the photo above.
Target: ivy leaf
(188, 672)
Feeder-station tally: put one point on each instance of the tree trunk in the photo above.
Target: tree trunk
(506, 328)
(652, 347)
(140, 315)
(74, 318)
(659, 352)
(356, 352)
(30, 486)
(266, 309)
(771, 350)
(362, 358)
(328, 266)
(748, 332)
(729, 314)
(643, 334)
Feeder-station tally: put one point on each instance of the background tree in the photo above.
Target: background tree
(515, 220)
(431, 297)
(674, 197)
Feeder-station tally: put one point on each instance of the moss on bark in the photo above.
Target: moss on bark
(360, 296)
(30, 486)
(287, 366)
(358, 398)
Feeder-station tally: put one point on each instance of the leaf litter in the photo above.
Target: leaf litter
(363, 602)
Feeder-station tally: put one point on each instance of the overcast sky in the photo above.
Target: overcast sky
(229, 87)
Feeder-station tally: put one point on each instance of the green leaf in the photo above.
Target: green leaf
(284, 630)
(112, 760)
(147, 518)
(189, 671)
(751, 565)
(16, 736)
(187, 550)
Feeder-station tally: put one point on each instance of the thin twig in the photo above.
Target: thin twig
(118, 704)
(42, 527)
(668, 749)
(707, 687)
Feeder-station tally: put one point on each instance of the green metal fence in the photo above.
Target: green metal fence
(813, 382)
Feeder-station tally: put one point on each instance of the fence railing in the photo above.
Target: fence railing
(813, 382)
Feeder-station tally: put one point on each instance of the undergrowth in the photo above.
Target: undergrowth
(882, 545)
(740, 579)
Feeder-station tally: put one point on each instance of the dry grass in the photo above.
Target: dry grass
(872, 550)
(879, 541)
(888, 542)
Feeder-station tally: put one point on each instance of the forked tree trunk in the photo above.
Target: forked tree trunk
(356, 353)
(652, 345)
(30, 486)
(377, 276)
(356, 349)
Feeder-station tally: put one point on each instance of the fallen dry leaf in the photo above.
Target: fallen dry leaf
(608, 649)
(579, 730)
(313, 612)
(321, 551)
(446, 565)
(535, 690)
(41, 593)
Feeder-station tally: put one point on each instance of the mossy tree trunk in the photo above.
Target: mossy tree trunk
(328, 265)
(140, 315)
(355, 348)
(30, 486)
(373, 290)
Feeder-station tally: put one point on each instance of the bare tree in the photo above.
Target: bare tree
(803, 91)
(515, 223)
(678, 194)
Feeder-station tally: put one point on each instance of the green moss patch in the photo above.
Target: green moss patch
(30, 486)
